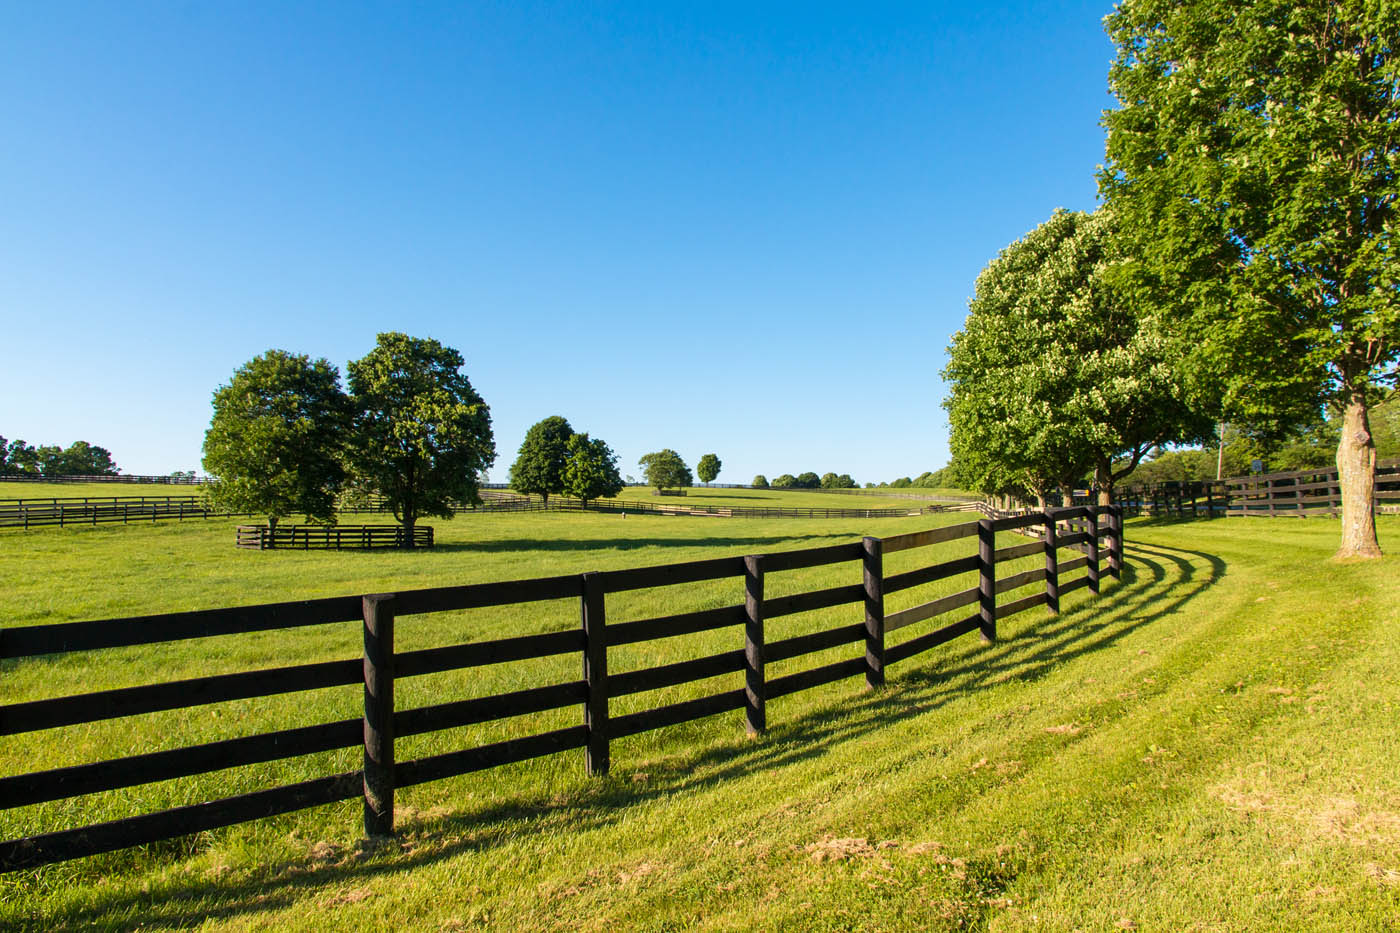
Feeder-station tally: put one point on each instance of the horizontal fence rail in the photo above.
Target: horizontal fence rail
(976, 609)
(89, 510)
(105, 478)
(1293, 494)
(330, 537)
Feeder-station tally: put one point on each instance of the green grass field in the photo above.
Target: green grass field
(696, 495)
(1209, 745)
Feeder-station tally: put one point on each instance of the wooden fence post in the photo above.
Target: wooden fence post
(872, 562)
(595, 673)
(1092, 570)
(379, 714)
(755, 694)
(1052, 564)
(987, 580)
(1115, 552)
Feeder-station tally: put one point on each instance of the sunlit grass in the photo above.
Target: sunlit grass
(1209, 744)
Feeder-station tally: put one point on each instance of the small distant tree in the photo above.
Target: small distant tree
(83, 459)
(808, 481)
(50, 459)
(274, 443)
(708, 468)
(539, 467)
(590, 469)
(21, 458)
(665, 469)
(422, 435)
(837, 481)
(786, 481)
(760, 482)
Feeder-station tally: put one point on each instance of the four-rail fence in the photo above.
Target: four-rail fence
(329, 537)
(61, 511)
(591, 641)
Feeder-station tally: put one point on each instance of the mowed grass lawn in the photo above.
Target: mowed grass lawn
(1209, 745)
(694, 495)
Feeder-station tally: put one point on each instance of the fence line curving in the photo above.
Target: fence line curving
(381, 664)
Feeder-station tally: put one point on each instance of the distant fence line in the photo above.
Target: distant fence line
(518, 503)
(381, 774)
(93, 510)
(1292, 494)
(104, 478)
(36, 513)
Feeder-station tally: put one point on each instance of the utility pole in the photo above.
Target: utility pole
(1220, 457)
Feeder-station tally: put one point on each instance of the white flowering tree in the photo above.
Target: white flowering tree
(1053, 377)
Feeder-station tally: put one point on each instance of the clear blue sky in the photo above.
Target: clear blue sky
(732, 227)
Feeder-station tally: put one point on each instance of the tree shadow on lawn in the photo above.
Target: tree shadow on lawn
(1147, 593)
(627, 544)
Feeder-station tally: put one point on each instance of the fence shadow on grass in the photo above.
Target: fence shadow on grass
(1156, 582)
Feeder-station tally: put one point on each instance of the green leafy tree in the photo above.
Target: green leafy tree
(665, 469)
(1253, 154)
(708, 468)
(539, 467)
(83, 459)
(590, 469)
(50, 459)
(21, 458)
(1053, 375)
(759, 482)
(1385, 427)
(808, 480)
(785, 481)
(422, 435)
(274, 443)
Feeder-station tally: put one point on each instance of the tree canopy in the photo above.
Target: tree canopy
(1053, 374)
(274, 444)
(590, 469)
(539, 467)
(1253, 159)
(708, 468)
(759, 482)
(79, 459)
(665, 469)
(422, 435)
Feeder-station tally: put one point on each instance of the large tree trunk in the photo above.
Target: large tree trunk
(1103, 481)
(1356, 469)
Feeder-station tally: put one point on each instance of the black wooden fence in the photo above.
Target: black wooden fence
(1304, 493)
(518, 503)
(381, 665)
(1292, 494)
(105, 478)
(329, 537)
(93, 510)
(1203, 499)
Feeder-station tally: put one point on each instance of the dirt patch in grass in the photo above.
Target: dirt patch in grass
(1313, 815)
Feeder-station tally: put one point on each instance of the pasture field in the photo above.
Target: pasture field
(1209, 744)
(696, 495)
(13, 490)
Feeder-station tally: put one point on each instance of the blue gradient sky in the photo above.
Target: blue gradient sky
(730, 227)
